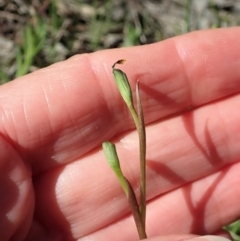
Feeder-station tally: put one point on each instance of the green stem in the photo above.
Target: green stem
(126, 93)
(110, 152)
(134, 116)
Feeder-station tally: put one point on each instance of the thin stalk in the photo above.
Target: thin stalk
(142, 147)
(139, 211)
(140, 126)
(136, 212)
(110, 152)
(134, 116)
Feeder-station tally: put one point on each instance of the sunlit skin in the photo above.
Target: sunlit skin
(55, 182)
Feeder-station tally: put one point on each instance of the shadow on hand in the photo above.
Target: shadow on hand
(209, 152)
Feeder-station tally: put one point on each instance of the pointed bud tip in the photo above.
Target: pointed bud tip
(121, 61)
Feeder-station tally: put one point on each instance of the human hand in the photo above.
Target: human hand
(54, 120)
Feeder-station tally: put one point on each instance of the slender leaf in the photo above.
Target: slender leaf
(142, 145)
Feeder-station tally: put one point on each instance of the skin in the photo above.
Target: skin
(55, 183)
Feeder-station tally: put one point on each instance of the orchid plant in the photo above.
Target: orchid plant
(138, 209)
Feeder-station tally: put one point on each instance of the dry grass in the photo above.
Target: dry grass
(36, 33)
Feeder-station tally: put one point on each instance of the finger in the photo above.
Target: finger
(16, 196)
(201, 207)
(223, 233)
(188, 238)
(60, 113)
(181, 150)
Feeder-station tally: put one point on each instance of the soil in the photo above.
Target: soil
(60, 29)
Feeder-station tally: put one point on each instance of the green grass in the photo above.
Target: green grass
(234, 230)
(56, 31)
(34, 36)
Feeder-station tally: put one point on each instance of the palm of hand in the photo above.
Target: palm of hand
(55, 128)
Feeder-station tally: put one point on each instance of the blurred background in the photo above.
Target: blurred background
(37, 33)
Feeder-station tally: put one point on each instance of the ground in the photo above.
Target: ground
(35, 34)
